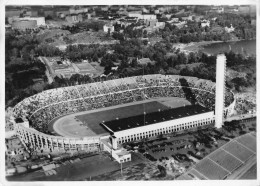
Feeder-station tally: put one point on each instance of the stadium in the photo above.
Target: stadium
(103, 115)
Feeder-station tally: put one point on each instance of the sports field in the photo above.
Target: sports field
(87, 123)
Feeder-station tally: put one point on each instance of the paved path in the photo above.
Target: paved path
(47, 73)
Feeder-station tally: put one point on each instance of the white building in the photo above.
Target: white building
(108, 27)
(137, 14)
(156, 11)
(187, 18)
(160, 25)
(220, 90)
(125, 130)
(121, 155)
(229, 29)
(148, 16)
(40, 21)
(205, 23)
(180, 24)
(74, 10)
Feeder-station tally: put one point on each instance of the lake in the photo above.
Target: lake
(245, 47)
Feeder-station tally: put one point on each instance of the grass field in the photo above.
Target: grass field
(71, 125)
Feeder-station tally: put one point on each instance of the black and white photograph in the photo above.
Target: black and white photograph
(129, 91)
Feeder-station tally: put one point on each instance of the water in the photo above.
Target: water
(245, 47)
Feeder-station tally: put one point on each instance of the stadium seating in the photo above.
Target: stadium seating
(47, 105)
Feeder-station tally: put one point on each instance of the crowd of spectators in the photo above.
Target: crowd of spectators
(44, 107)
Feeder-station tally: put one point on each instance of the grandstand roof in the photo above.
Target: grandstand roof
(155, 117)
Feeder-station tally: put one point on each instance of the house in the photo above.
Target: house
(205, 23)
(229, 29)
(187, 18)
(180, 24)
(74, 18)
(151, 22)
(121, 155)
(148, 16)
(161, 25)
(174, 20)
(168, 16)
(217, 9)
(108, 27)
(156, 11)
(137, 14)
(146, 10)
(40, 21)
(62, 14)
(145, 61)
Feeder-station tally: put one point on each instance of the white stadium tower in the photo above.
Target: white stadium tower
(220, 89)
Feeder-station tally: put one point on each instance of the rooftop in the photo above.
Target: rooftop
(155, 117)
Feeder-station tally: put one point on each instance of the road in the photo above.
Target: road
(47, 73)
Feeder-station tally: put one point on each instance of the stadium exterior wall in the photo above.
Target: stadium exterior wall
(164, 127)
(38, 140)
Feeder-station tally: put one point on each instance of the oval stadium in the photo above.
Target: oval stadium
(103, 115)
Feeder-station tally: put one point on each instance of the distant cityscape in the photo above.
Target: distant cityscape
(130, 92)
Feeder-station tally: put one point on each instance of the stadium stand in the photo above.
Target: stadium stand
(44, 107)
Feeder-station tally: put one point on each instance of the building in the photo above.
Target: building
(108, 27)
(161, 25)
(40, 21)
(205, 23)
(217, 9)
(145, 61)
(220, 90)
(156, 11)
(180, 24)
(187, 18)
(229, 29)
(74, 18)
(168, 16)
(77, 10)
(148, 16)
(24, 24)
(161, 122)
(137, 14)
(145, 10)
(62, 14)
(151, 22)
